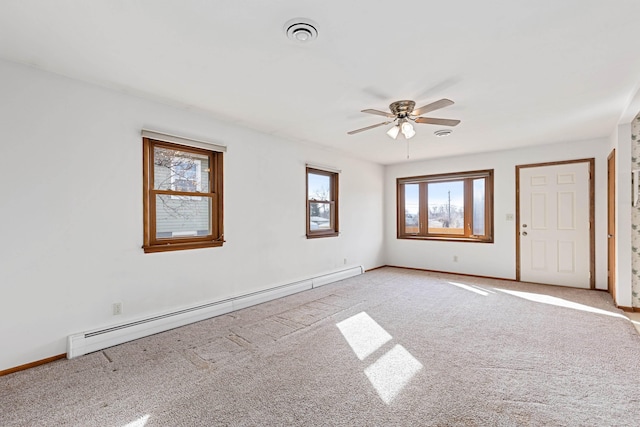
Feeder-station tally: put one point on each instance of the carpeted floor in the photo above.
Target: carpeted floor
(391, 347)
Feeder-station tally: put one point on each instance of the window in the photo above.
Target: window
(322, 203)
(456, 206)
(182, 197)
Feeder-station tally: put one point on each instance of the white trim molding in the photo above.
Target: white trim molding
(323, 168)
(159, 136)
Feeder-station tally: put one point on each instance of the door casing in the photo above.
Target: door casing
(611, 224)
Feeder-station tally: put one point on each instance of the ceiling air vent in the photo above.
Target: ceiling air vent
(443, 132)
(301, 30)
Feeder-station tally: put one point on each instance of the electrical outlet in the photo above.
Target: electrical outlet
(509, 217)
(455, 258)
(117, 308)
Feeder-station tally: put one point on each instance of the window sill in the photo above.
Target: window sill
(166, 247)
(446, 239)
(320, 235)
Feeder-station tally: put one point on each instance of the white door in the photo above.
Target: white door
(554, 224)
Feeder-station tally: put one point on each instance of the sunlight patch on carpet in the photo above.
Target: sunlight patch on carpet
(140, 422)
(547, 299)
(363, 334)
(469, 288)
(483, 289)
(391, 373)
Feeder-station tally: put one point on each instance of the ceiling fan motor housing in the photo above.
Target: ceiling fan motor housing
(402, 108)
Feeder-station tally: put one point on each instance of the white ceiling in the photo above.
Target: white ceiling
(520, 72)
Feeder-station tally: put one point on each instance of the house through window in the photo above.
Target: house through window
(186, 173)
(456, 206)
(182, 196)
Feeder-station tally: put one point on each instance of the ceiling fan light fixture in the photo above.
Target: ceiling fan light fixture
(407, 130)
(394, 131)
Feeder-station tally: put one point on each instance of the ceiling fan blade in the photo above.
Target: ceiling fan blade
(432, 107)
(379, 113)
(434, 121)
(367, 128)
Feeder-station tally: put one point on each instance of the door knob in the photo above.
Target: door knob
(524, 233)
(524, 225)
(609, 236)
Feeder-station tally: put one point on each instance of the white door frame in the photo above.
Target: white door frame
(592, 253)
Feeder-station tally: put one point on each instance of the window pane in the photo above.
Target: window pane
(411, 208)
(320, 216)
(180, 171)
(182, 216)
(446, 207)
(319, 187)
(478, 206)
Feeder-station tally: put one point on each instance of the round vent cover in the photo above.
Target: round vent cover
(301, 30)
(443, 132)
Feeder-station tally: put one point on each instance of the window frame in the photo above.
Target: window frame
(423, 229)
(332, 202)
(151, 242)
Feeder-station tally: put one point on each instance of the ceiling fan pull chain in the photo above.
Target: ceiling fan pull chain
(407, 149)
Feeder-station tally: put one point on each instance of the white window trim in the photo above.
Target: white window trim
(166, 137)
(323, 168)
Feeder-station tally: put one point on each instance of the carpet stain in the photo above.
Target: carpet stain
(254, 338)
(196, 360)
(278, 326)
(237, 339)
(221, 348)
(306, 314)
(336, 300)
(271, 328)
(287, 322)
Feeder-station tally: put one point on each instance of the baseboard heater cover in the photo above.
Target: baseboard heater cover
(88, 342)
(336, 276)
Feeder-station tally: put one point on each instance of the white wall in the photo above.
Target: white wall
(497, 259)
(71, 213)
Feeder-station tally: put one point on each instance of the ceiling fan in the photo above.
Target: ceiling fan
(403, 113)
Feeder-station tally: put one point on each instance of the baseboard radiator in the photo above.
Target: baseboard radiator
(90, 341)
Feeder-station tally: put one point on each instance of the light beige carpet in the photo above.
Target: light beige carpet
(390, 347)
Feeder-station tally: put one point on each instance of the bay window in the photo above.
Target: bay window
(455, 206)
